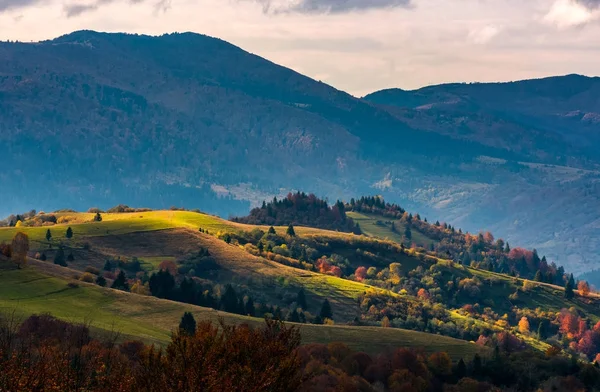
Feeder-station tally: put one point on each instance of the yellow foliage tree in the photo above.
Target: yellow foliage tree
(524, 325)
(20, 247)
(584, 288)
(19, 224)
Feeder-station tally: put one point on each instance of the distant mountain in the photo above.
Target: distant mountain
(94, 119)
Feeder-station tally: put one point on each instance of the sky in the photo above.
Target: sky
(358, 46)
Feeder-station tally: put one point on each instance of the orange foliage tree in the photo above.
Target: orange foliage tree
(524, 325)
(583, 287)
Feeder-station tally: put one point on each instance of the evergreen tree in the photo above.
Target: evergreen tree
(541, 330)
(43, 257)
(229, 300)
(48, 235)
(121, 282)
(538, 276)
(507, 248)
(393, 227)
(293, 316)
(569, 287)
(326, 310)
(461, 369)
(107, 266)
(69, 233)
(162, 284)
(70, 257)
(187, 326)
(260, 247)
(477, 365)
(59, 257)
(301, 299)
(98, 217)
(272, 230)
(290, 231)
(408, 233)
(250, 307)
(100, 281)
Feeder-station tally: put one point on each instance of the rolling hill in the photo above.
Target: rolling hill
(409, 288)
(186, 119)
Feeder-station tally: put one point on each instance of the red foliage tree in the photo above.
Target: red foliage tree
(360, 273)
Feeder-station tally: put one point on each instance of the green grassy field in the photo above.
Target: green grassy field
(30, 291)
(369, 226)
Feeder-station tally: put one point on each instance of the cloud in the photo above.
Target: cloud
(76, 9)
(329, 6)
(6, 5)
(573, 13)
(484, 35)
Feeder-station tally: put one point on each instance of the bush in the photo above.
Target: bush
(92, 270)
(87, 277)
(73, 285)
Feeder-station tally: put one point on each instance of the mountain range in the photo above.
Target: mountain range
(96, 119)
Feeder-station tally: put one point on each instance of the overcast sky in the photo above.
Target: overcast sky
(355, 45)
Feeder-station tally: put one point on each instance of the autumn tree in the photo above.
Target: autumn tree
(187, 326)
(19, 248)
(583, 287)
(524, 325)
(361, 273)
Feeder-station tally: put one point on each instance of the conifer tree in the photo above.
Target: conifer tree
(121, 282)
(538, 276)
(98, 217)
(272, 230)
(569, 287)
(290, 231)
(187, 326)
(48, 235)
(326, 310)
(69, 233)
(301, 299)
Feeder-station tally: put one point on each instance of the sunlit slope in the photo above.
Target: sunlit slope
(32, 291)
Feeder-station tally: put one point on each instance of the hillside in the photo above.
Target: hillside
(201, 260)
(186, 119)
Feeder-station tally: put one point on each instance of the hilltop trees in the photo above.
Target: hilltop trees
(19, 249)
(300, 209)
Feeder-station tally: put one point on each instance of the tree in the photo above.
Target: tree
(187, 326)
(301, 299)
(20, 247)
(260, 247)
(583, 287)
(569, 287)
(524, 325)
(272, 230)
(290, 231)
(98, 217)
(461, 369)
(107, 266)
(100, 281)
(250, 310)
(121, 282)
(408, 233)
(538, 276)
(48, 235)
(70, 257)
(69, 233)
(360, 273)
(326, 310)
(162, 284)
(59, 257)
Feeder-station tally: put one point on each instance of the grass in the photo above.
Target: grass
(369, 226)
(152, 320)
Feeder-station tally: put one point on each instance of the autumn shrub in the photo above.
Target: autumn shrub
(87, 277)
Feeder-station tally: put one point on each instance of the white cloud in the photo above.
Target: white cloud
(571, 13)
(484, 34)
